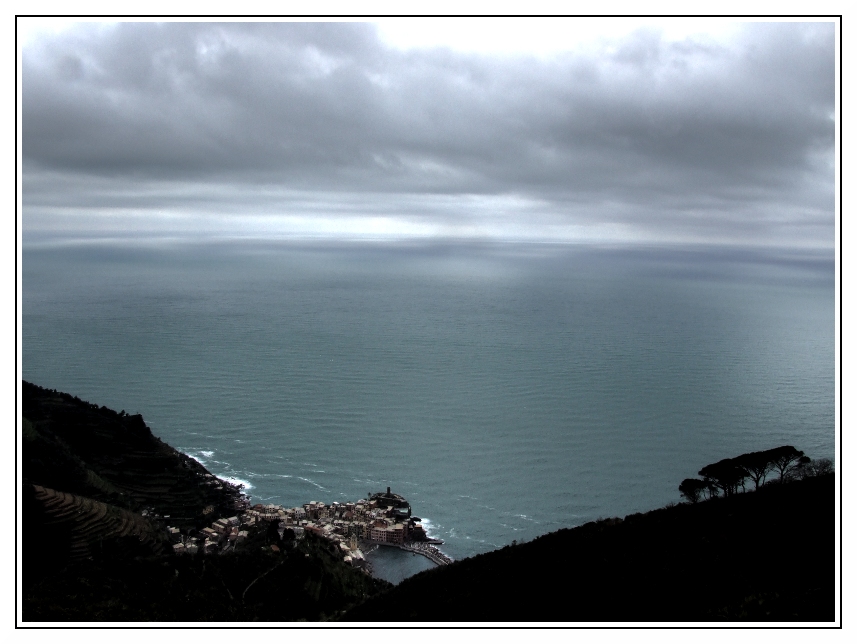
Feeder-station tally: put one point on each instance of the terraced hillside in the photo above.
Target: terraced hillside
(90, 472)
(88, 523)
(91, 451)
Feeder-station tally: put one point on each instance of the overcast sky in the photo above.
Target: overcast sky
(567, 129)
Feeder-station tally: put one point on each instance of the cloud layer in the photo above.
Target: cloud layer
(322, 128)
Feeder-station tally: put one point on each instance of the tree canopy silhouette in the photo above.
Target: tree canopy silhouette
(726, 476)
(785, 459)
(816, 467)
(757, 465)
(692, 489)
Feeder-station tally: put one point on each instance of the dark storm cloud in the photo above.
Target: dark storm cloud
(730, 138)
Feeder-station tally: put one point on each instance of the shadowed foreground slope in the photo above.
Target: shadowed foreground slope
(765, 555)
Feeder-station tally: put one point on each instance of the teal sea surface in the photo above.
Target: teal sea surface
(506, 390)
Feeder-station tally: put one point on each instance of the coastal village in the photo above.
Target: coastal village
(354, 529)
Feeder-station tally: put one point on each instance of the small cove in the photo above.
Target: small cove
(395, 565)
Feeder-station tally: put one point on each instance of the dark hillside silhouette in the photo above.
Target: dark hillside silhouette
(760, 556)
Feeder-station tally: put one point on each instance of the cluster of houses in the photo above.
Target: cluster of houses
(382, 518)
(219, 537)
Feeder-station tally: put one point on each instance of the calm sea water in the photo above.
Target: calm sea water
(506, 390)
